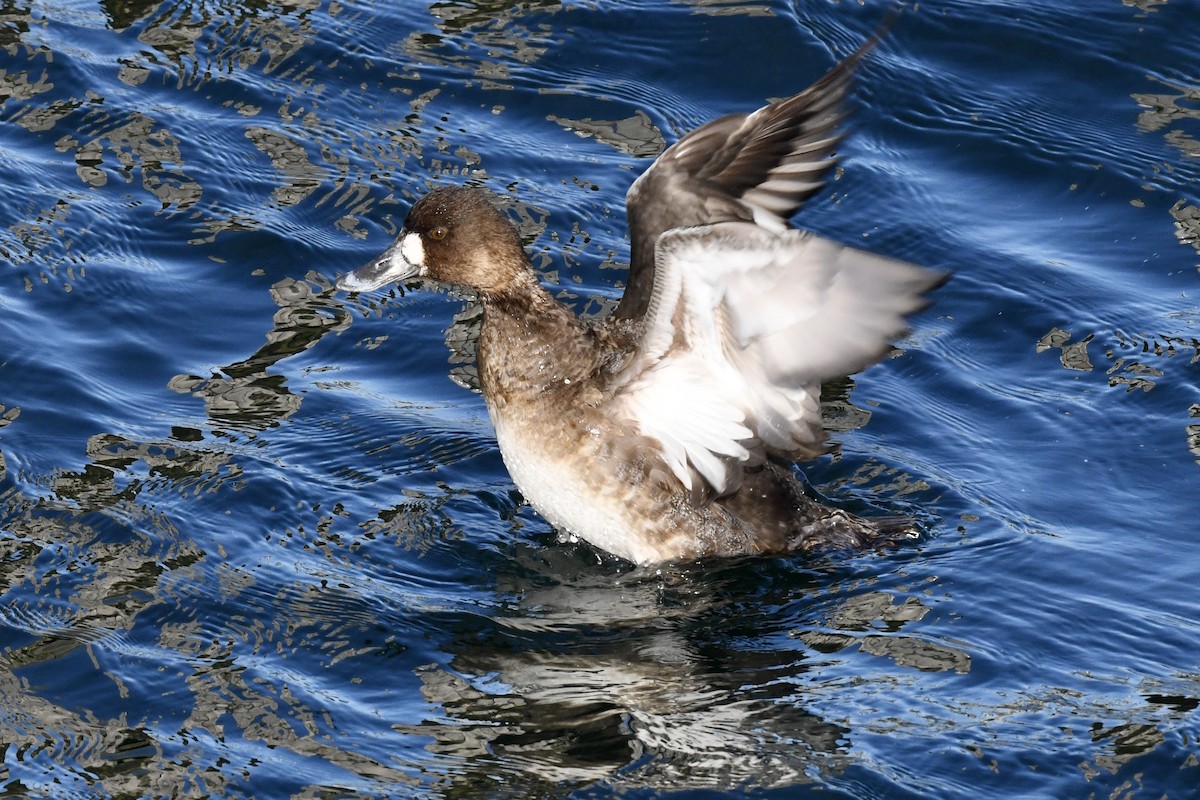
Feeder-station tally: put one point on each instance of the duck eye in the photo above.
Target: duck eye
(438, 233)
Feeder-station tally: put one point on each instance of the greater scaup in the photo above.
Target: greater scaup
(666, 430)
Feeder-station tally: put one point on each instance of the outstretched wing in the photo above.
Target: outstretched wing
(758, 167)
(742, 327)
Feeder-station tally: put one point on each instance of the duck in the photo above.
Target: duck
(668, 430)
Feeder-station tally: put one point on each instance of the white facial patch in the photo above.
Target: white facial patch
(412, 251)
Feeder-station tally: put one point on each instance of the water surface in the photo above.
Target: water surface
(257, 538)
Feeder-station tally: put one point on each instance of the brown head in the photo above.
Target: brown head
(452, 235)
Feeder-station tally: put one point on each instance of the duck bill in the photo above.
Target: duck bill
(391, 267)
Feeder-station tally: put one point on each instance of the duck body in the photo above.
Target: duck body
(544, 375)
(579, 465)
(666, 430)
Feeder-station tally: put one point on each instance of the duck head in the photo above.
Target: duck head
(453, 235)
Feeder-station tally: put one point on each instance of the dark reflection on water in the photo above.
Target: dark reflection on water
(245, 394)
(651, 680)
(254, 544)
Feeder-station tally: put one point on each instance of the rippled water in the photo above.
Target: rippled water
(257, 542)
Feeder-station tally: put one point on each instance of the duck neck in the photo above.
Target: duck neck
(525, 344)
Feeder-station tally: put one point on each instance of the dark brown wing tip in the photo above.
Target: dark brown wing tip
(846, 67)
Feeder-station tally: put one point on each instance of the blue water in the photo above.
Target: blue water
(257, 541)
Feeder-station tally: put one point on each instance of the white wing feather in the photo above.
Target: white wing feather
(744, 325)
